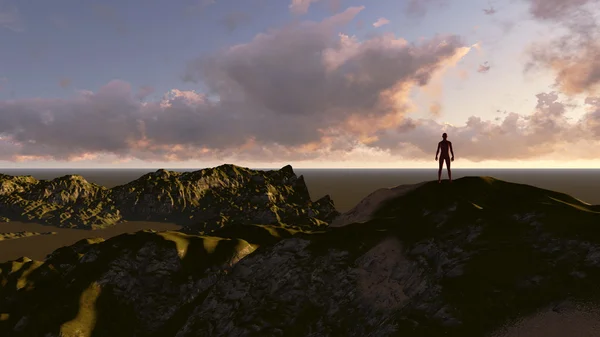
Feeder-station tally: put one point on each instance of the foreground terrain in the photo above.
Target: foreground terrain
(460, 259)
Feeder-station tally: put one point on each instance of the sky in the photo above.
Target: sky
(311, 83)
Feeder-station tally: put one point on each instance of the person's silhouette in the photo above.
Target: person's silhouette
(444, 145)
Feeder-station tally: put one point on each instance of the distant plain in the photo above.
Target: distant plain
(346, 187)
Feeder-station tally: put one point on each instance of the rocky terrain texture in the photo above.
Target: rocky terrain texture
(460, 259)
(202, 201)
(23, 234)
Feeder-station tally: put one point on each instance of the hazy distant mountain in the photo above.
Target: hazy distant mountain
(456, 259)
(202, 200)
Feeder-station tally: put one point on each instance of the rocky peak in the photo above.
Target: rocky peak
(73, 177)
(287, 171)
(162, 173)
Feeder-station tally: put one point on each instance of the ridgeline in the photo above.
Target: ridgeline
(202, 201)
(460, 259)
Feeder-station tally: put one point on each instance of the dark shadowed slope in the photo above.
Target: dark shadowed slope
(458, 259)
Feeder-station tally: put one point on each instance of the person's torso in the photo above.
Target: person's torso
(444, 146)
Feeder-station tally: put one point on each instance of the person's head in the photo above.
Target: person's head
(444, 135)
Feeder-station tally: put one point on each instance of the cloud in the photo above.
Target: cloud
(463, 74)
(186, 125)
(320, 80)
(435, 108)
(10, 18)
(489, 11)
(295, 92)
(572, 56)
(591, 120)
(91, 122)
(576, 73)
(483, 68)
(335, 5)
(381, 22)
(233, 20)
(144, 91)
(301, 6)
(545, 131)
(64, 82)
(556, 9)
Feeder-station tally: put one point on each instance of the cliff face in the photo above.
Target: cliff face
(456, 259)
(202, 200)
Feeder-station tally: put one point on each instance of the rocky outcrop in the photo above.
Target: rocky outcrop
(68, 201)
(202, 201)
(22, 234)
(460, 259)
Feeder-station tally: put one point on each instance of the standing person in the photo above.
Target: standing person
(444, 145)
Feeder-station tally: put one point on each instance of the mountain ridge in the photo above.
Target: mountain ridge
(459, 259)
(213, 197)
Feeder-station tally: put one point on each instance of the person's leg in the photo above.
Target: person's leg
(440, 170)
(449, 171)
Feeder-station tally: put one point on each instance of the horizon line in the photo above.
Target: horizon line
(299, 168)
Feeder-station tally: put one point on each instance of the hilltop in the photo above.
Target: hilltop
(460, 259)
(202, 200)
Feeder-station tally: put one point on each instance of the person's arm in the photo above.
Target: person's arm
(451, 150)
(438, 151)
